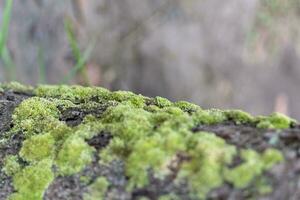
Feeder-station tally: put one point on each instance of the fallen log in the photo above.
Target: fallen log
(73, 142)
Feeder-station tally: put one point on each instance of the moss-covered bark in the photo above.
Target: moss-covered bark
(71, 142)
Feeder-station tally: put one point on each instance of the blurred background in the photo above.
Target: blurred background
(222, 54)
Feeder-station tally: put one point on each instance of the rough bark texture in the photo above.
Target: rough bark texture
(201, 153)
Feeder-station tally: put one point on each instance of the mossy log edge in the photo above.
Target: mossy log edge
(74, 142)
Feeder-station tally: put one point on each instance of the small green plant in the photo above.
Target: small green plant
(4, 52)
(80, 58)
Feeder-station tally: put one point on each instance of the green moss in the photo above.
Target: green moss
(148, 134)
(253, 166)
(186, 106)
(162, 102)
(97, 190)
(125, 96)
(64, 92)
(209, 156)
(17, 87)
(38, 147)
(74, 155)
(35, 115)
(31, 181)
(212, 116)
(275, 121)
(238, 116)
(11, 165)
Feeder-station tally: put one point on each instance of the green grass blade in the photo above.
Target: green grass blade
(72, 39)
(5, 24)
(80, 64)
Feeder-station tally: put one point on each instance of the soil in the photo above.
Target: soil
(284, 178)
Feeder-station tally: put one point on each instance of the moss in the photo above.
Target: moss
(73, 93)
(186, 106)
(148, 134)
(212, 116)
(11, 165)
(97, 190)
(17, 87)
(209, 156)
(162, 102)
(74, 155)
(253, 166)
(38, 147)
(125, 96)
(238, 116)
(31, 181)
(275, 121)
(35, 115)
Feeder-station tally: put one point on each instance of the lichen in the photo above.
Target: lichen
(148, 134)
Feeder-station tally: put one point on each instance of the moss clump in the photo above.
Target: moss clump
(239, 117)
(11, 165)
(16, 87)
(74, 155)
(187, 107)
(35, 115)
(38, 147)
(63, 92)
(31, 181)
(162, 102)
(209, 157)
(254, 164)
(211, 116)
(97, 190)
(275, 121)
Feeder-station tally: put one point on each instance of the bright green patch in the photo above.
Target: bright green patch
(209, 157)
(253, 166)
(275, 121)
(74, 155)
(35, 115)
(186, 106)
(17, 87)
(212, 116)
(162, 102)
(11, 165)
(238, 116)
(38, 147)
(31, 181)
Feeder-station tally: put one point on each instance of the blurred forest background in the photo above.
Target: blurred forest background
(242, 54)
